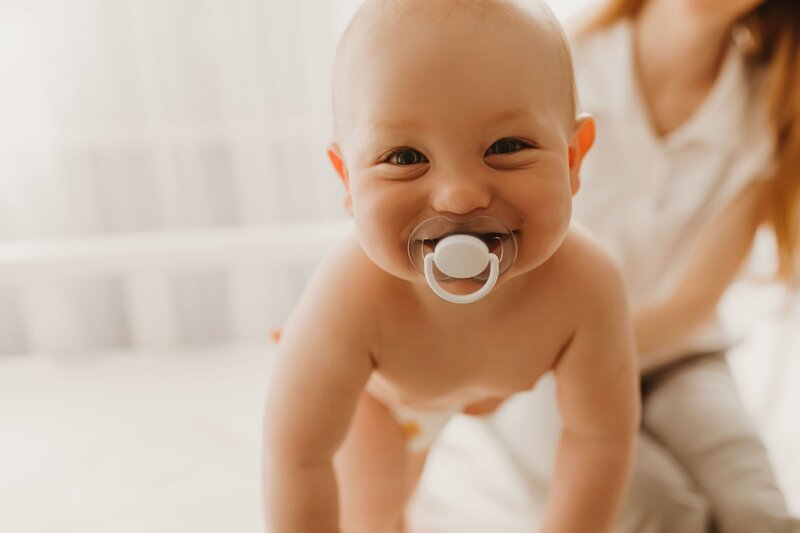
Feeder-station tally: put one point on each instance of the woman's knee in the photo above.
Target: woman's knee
(662, 498)
(747, 513)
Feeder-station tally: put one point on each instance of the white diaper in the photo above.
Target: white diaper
(419, 427)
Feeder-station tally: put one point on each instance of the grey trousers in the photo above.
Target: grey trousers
(701, 466)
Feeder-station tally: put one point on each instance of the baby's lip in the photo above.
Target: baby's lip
(485, 235)
(441, 226)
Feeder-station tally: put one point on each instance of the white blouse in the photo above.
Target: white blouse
(646, 197)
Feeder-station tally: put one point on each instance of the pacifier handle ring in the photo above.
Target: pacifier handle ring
(422, 248)
(494, 272)
(502, 248)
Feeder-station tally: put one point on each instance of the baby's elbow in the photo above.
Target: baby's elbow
(628, 408)
(281, 449)
(627, 399)
(287, 457)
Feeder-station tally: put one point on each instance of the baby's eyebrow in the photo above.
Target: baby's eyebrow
(418, 124)
(512, 114)
(398, 124)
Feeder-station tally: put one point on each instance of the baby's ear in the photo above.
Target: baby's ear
(335, 155)
(582, 140)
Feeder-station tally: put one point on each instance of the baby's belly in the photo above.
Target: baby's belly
(461, 367)
(477, 395)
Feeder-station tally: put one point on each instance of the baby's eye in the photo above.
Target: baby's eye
(507, 146)
(407, 157)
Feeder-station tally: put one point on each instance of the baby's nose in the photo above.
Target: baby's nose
(460, 194)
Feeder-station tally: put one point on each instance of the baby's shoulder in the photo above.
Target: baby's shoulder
(332, 331)
(344, 291)
(588, 272)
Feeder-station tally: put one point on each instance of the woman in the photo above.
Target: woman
(697, 104)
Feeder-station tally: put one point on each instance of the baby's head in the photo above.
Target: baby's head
(458, 108)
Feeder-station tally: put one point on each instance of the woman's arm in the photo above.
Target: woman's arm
(717, 257)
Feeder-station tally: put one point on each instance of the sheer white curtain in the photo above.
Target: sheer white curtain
(145, 115)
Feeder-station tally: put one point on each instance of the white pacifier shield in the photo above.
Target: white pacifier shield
(461, 256)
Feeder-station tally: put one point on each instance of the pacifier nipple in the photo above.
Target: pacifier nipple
(462, 255)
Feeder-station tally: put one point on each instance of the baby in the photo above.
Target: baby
(459, 148)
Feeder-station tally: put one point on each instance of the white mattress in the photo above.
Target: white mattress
(132, 443)
(170, 442)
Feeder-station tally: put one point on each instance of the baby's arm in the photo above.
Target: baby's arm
(323, 364)
(598, 399)
(717, 256)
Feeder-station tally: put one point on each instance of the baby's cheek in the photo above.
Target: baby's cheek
(376, 235)
(374, 200)
(551, 204)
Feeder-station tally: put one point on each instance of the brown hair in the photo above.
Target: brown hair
(775, 29)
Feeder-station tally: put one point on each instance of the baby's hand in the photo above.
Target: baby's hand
(276, 335)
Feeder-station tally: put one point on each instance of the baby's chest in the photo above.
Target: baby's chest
(430, 363)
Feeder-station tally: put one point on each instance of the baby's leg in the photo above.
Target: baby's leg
(375, 473)
(694, 410)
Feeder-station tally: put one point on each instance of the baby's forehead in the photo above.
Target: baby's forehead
(387, 36)
(378, 21)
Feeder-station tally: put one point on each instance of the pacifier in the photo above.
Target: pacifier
(465, 257)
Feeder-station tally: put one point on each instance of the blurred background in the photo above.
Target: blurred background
(144, 116)
(164, 195)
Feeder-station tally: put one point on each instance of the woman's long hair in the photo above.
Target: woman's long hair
(775, 49)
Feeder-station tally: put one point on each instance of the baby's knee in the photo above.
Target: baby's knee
(746, 514)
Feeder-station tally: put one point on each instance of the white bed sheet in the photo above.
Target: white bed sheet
(122, 443)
